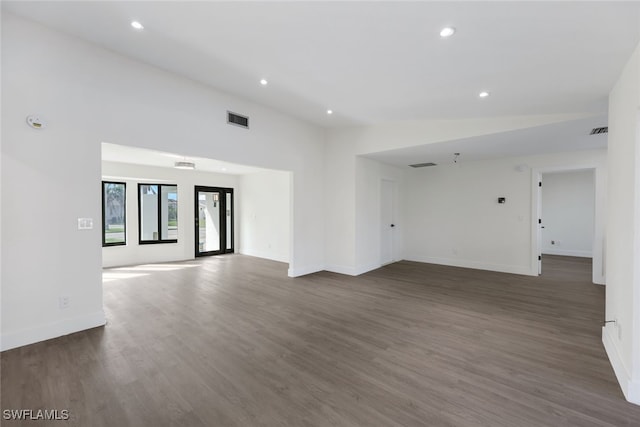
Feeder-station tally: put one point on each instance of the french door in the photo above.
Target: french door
(213, 220)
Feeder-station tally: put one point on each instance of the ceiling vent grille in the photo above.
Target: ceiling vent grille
(422, 165)
(237, 120)
(598, 131)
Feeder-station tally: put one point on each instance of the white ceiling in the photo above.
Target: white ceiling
(141, 156)
(553, 138)
(373, 62)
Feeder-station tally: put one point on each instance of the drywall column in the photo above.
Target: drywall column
(340, 218)
(265, 224)
(622, 338)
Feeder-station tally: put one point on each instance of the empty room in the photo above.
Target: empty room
(320, 213)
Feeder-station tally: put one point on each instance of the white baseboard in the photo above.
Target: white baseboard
(567, 252)
(51, 330)
(342, 269)
(630, 388)
(473, 264)
(352, 271)
(303, 271)
(361, 269)
(633, 395)
(265, 255)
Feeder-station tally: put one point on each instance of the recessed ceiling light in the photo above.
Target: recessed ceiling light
(329, 112)
(263, 82)
(137, 25)
(447, 32)
(483, 94)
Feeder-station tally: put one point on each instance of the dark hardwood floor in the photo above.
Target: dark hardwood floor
(231, 341)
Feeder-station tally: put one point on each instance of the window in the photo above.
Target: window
(114, 221)
(158, 213)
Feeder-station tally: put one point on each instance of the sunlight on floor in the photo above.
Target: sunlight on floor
(108, 276)
(111, 274)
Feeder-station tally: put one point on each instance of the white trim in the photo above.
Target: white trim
(536, 178)
(633, 394)
(361, 269)
(354, 271)
(501, 268)
(567, 252)
(52, 330)
(597, 276)
(265, 255)
(342, 269)
(629, 389)
(303, 271)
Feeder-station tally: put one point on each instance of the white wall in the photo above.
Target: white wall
(340, 219)
(369, 176)
(264, 215)
(89, 95)
(622, 340)
(134, 253)
(353, 220)
(568, 208)
(453, 216)
(348, 247)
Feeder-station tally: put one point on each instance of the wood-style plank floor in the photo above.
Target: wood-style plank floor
(231, 341)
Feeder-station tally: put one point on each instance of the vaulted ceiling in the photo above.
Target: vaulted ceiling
(373, 62)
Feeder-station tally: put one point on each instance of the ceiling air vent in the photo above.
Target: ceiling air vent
(598, 131)
(422, 165)
(238, 120)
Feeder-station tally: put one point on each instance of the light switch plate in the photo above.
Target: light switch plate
(85, 223)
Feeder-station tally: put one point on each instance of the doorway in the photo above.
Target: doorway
(213, 221)
(566, 215)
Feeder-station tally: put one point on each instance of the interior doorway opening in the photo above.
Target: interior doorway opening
(566, 215)
(154, 197)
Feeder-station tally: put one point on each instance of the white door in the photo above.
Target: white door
(387, 225)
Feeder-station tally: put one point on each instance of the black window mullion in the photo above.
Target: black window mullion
(159, 238)
(159, 213)
(105, 184)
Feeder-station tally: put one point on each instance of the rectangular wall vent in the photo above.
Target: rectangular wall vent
(422, 165)
(237, 120)
(598, 131)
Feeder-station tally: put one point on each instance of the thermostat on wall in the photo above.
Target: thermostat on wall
(36, 122)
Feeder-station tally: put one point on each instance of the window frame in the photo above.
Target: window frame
(124, 217)
(159, 239)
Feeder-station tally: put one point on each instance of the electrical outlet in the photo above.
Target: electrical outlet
(85, 223)
(63, 302)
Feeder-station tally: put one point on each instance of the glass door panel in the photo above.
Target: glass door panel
(214, 220)
(229, 221)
